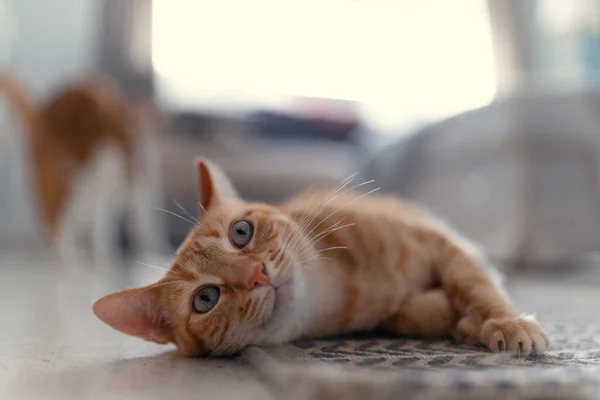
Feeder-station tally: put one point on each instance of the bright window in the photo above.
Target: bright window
(403, 60)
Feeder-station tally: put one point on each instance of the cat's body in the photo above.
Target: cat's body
(85, 162)
(360, 243)
(324, 263)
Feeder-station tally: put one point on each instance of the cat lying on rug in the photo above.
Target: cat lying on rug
(321, 264)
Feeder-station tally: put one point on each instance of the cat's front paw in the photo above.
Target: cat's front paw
(521, 336)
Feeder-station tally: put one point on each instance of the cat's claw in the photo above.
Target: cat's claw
(519, 336)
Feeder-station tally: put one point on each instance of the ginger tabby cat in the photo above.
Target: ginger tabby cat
(323, 263)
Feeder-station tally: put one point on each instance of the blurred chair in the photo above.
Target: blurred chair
(520, 176)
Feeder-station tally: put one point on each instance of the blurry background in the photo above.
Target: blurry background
(486, 112)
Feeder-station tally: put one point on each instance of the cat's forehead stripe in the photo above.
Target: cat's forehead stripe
(213, 233)
(192, 268)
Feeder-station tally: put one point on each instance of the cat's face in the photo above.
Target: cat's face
(233, 280)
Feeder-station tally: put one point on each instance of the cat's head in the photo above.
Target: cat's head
(234, 280)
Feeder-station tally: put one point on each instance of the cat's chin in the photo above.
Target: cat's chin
(282, 303)
(283, 295)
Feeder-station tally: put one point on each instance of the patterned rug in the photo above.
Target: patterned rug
(568, 313)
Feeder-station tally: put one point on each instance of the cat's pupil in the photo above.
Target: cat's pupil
(241, 232)
(204, 298)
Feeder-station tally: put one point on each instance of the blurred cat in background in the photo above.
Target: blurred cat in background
(91, 164)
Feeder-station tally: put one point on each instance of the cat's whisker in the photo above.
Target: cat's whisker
(331, 198)
(322, 258)
(347, 179)
(302, 224)
(275, 239)
(232, 336)
(330, 248)
(174, 214)
(284, 270)
(153, 266)
(288, 241)
(316, 259)
(333, 195)
(343, 206)
(308, 218)
(257, 309)
(280, 256)
(326, 233)
(311, 241)
(294, 232)
(337, 223)
(156, 286)
(166, 270)
(186, 212)
(345, 183)
(313, 245)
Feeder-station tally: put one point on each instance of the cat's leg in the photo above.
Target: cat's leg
(426, 314)
(146, 224)
(66, 237)
(104, 232)
(108, 199)
(486, 313)
(64, 245)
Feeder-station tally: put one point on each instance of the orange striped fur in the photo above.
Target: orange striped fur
(323, 263)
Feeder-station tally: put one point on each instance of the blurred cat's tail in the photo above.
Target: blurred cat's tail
(20, 104)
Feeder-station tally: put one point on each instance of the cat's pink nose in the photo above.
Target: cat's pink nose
(259, 276)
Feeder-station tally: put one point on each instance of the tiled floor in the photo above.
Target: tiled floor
(52, 346)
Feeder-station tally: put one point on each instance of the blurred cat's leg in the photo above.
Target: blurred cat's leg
(487, 314)
(109, 199)
(104, 232)
(147, 225)
(426, 314)
(66, 241)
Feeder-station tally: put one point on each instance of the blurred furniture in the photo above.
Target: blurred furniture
(262, 168)
(520, 176)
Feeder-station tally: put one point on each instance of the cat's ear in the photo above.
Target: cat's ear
(136, 312)
(214, 188)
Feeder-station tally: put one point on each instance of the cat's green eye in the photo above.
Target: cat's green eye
(240, 233)
(205, 299)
